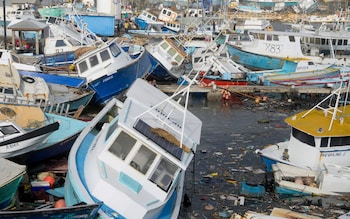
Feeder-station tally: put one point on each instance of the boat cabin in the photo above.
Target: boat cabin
(147, 16)
(172, 26)
(93, 64)
(167, 15)
(169, 49)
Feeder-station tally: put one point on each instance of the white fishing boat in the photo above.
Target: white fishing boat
(331, 179)
(318, 135)
(134, 160)
(23, 128)
(268, 49)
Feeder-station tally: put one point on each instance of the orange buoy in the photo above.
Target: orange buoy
(60, 203)
(50, 179)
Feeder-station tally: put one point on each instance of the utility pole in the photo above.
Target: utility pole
(4, 13)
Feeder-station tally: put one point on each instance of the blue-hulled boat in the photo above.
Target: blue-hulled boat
(133, 155)
(289, 67)
(252, 60)
(108, 70)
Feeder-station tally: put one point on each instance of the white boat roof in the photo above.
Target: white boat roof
(9, 170)
(139, 106)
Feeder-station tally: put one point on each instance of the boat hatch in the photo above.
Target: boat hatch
(8, 129)
(170, 147)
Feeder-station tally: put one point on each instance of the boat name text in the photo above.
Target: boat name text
(333, 154)
(273, 48)
(9, 146)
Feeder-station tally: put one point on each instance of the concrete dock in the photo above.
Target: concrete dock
(254, 92)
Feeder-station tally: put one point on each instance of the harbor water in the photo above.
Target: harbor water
(226, 159)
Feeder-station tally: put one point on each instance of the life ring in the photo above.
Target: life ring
(28, 79)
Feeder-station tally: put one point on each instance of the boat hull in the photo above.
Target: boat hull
(254, 61)
(21, 145)
(113, 84)
(160, 73)
(59, 142)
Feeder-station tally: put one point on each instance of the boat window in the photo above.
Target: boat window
(82, 66)
(164, 45)
(60, 43)
(310, 63)
(15, 59)
(312, 40)
(303, 137)
(317, 41)
(164, 174)
(334, 42)
(340, 42)
(324, 142)
(268, 37)
(8, 91)
(113, 126)
(171, 51)
(8, 130)
(143, 159)
(323, 42)
(114, 49)
(275, 37)
(261, 36)
(340, 141)
(93, 61)
(291, 39)
(122, 145)
(345, 42)
(104, 55)
(178, 58)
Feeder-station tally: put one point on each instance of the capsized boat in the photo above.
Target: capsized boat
(134, 159)
(318, 135)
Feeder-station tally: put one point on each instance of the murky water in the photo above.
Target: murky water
(226, 158)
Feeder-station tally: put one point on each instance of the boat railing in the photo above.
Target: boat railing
(334, 105)
(62, 109)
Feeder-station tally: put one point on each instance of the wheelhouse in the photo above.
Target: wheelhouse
(167, 15)
(168, 48)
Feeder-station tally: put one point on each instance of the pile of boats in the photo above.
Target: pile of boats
(129, 160)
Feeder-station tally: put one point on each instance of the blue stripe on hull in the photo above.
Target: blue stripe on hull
(268, 162)
(254, 61)
(55, 79)
(111, 85)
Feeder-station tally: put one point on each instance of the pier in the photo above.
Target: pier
(250, 90)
